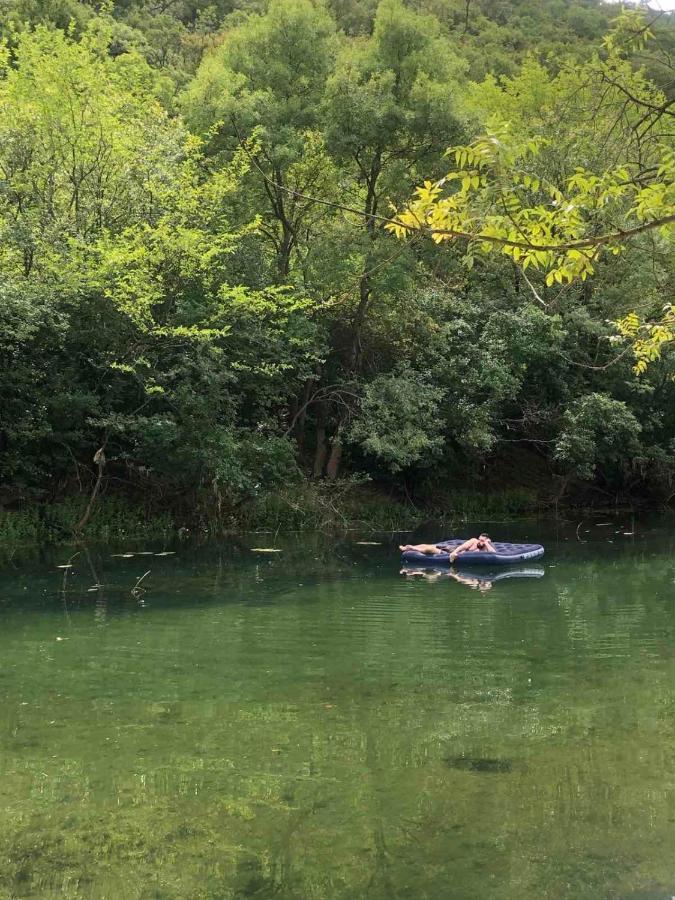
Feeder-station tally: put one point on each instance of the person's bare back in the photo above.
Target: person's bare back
(481, 544)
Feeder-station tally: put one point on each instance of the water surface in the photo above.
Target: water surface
(313, 724)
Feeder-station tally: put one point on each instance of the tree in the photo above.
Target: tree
(390, 109)
(264, 84)
(551, 211)
(116, 279)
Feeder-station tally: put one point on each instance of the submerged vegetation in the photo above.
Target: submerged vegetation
(206, 322)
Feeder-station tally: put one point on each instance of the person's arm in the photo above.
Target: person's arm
(489, 546)
(467, 545)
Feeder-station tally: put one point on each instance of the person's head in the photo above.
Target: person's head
(482, 539)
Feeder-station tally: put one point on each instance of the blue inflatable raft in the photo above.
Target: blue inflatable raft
(506, 554)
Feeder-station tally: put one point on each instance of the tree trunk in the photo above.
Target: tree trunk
(285, 249)
(359, 319)
(365, 285)
(333, 467)
(321, 450)
(287, 243)
(516, 278)
(467, 13)
(301, 417)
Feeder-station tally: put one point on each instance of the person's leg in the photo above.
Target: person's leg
(428, 549)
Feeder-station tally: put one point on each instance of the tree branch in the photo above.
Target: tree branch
(584, 243)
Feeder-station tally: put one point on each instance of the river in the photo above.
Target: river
(312, 723)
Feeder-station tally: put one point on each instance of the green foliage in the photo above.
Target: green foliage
(262, 89)
(398, 421)
(83, 145)
(269, 71)
(513, 191)
(596, 431)
(117, 285)
(195, 273)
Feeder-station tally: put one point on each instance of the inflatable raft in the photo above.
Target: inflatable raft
(506, 554)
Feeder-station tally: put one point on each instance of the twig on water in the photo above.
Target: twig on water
(137, 590)
(66, 571)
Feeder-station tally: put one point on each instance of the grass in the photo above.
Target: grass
(316, 506)
(472, 505)
(114, 517)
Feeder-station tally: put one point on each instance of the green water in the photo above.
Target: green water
(313, 724)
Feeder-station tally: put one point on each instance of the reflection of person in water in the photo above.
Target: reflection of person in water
(437, 574)
(474, 583)
(427, 574)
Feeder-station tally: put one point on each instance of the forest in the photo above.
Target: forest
(264, 262)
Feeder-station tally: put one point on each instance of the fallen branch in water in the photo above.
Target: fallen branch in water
(137, 590)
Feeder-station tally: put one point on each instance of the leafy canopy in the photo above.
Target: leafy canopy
(511, 191)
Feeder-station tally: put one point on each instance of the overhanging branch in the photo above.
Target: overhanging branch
(472, 237)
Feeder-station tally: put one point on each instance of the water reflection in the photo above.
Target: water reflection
(472, 577)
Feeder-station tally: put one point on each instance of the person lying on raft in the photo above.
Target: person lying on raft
(482, 542)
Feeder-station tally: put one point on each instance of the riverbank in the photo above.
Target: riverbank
(309, 506)
(305, 507)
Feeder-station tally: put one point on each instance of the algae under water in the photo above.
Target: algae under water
(312, 724)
